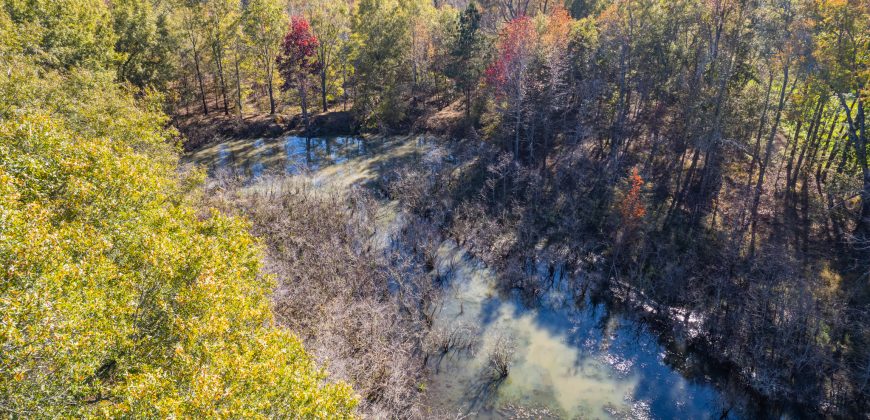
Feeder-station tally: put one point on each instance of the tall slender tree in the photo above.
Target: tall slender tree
(330, 22)
(466, 55)
(298, 60)
(264, 23)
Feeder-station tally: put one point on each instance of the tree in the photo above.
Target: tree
(631, 208)
(192, 22)
(508, 74)
(382, 41)
(466, 55)
(298, 60)
(428, 38)
(117, 296)
(65, 34)
(264, 23)
(240, 58)
(221, 19)
(145, 43)
(843, 50)
(787, 47)
(330, 21)
(552, 96)
(583, 8)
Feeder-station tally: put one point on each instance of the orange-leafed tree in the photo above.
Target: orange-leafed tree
(632, 208)
(507, 75)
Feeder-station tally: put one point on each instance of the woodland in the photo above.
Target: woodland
(704, 158)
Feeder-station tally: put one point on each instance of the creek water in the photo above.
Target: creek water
(569, 357)
(292, 154)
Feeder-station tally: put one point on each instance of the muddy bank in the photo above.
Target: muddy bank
(203, 130)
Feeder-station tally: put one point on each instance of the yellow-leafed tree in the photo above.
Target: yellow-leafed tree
(118, 297)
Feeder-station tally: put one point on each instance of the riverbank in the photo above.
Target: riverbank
(559, 302)
(733, 309)
(203, 130)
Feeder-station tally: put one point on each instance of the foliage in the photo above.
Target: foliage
(382, 39)
(298, 59)
(331, 23)
(515, 46)
(145, 43)
(631, 208)
(117, 297)
(298, 55)
(264, 23)
(747, 120)
(62, 34)
(467, 54)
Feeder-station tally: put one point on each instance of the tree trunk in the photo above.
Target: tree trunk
(621, 111)
(343, 87)
(467, 102)
(218, 54)
(323, 89)
(199, 78)
(303, 96)
(858, 135)
(238, 81)
(763, 164)
(756, 149)
(517, 124)
(271, 94)
(795, 170)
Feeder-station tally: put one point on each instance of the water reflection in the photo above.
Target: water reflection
(293, 154)
(570, 360)
(576, 361)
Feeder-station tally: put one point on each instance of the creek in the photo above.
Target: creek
(569, 357)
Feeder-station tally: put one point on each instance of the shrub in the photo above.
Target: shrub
(116, 298)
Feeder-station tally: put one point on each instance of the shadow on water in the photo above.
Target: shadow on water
(579, 358)
(483, 392)
(575, 355)
(292, 154)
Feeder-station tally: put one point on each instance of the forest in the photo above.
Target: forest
(697, 169)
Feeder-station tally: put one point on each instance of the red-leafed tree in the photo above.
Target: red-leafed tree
(632, 208)
(507, 75)
(298, 60)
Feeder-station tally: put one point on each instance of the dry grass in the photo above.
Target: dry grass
(358, 307)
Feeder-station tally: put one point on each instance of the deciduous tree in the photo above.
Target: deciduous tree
(298, 60)
(264, 24)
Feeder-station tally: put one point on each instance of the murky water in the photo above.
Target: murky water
(567, 360)
(293, 154)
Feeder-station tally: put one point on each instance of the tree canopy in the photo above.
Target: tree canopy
(117, 296)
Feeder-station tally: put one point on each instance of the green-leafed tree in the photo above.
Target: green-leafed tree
(330, 21)
(190, 21)
(222, 17)
(264, 24)
(843, 51)
(145, 43)
(117, 297)
(62, 34)
(467, 60)
(382, 39)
